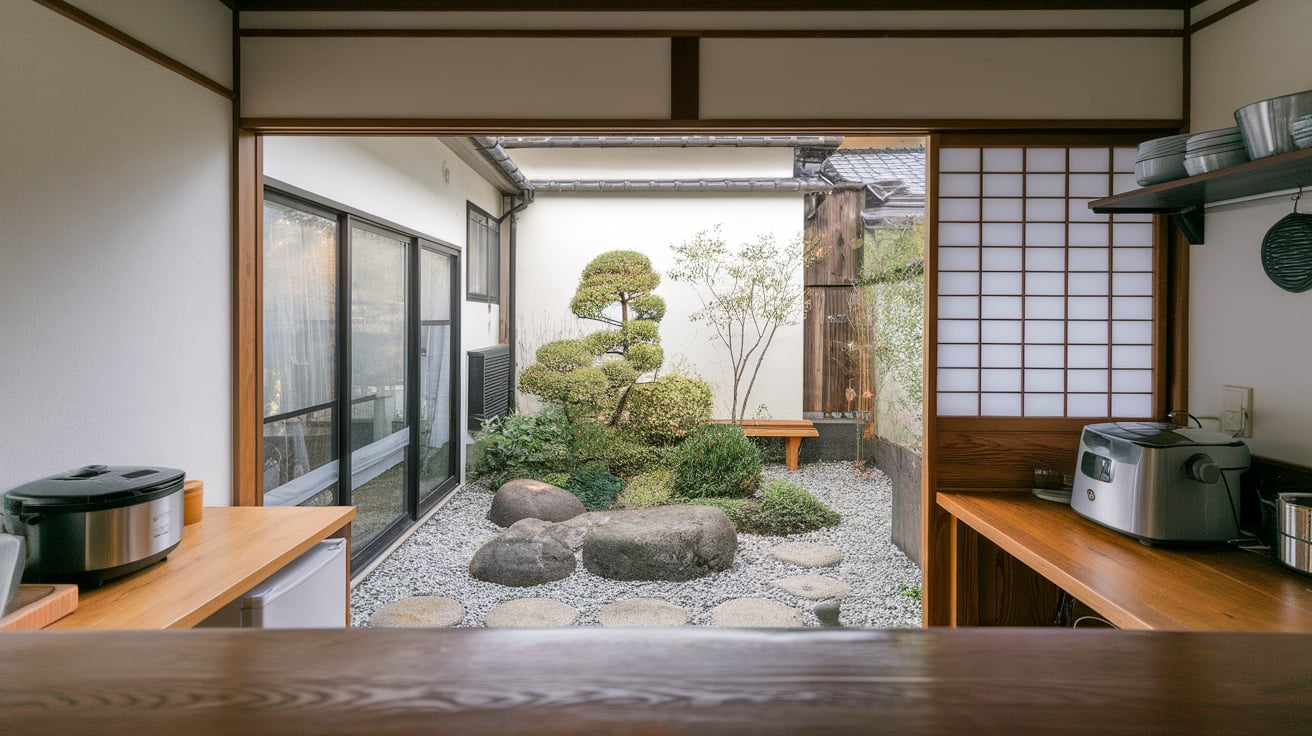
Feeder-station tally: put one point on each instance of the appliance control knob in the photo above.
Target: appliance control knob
(1202, 468)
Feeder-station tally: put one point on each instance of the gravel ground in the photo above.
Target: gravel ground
(435, 561)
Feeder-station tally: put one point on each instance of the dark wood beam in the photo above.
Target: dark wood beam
(685, 79)
(710, 5)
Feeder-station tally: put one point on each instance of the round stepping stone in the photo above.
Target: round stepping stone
(807, 554)
(421, 611)
(529, 613)
(756, 613)
(814, 587)
(642, 612)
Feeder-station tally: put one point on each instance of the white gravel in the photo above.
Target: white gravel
(435, 561)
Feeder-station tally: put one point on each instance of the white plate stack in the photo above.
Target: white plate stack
(1160, 159)
(1213, 150)
(1301, 127)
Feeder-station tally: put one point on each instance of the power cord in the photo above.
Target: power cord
(1099, 619)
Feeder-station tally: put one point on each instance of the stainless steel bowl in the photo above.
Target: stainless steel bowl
(1266, 124)
(1205, 162)
(1161, 169)
(1294, 522)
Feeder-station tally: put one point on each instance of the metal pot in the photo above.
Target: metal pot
(1294, 522)
(96, 523)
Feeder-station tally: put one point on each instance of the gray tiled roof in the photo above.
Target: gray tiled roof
(685, 185)
(894, 179)
(657, 141)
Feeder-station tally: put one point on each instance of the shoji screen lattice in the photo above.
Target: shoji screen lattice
(1045, 309)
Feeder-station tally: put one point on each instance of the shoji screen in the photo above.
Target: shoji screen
(1045, 309)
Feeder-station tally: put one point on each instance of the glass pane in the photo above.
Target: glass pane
(435, 366)
(493, 245)
(434, 286)
(300, 303)
(296, 446)
(379, 433)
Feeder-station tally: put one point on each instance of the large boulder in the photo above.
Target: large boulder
(523, 555)
(571, 532)
(524, 498)
(661, 543)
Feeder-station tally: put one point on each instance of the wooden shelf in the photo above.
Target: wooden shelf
(1183, 199)
(221, 557)
(1135, 586)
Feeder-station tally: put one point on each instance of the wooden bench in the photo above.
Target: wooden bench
(792, 430)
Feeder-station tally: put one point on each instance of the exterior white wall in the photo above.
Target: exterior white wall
(417, 183)
(560, 233)
(115, 259)
(197, 33)
(1243, 329)
(653, 163)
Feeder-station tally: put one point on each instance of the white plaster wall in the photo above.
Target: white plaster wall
(115, 249)
(1243, 329)
(197, 33)
(417, 183)
(560, 233)
(653, 163)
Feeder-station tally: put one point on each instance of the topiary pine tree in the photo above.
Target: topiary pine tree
(593, 375)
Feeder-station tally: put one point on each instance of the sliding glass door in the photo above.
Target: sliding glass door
(359, 367)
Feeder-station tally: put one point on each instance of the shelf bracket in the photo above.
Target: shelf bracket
(1190, 222)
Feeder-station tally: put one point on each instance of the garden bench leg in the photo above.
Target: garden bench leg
(791, 447)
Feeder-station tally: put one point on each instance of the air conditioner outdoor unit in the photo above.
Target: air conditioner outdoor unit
(489, 384)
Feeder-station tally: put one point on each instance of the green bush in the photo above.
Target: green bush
(783, 508)
(559, 480)
(624, 455)
(772, 449)
(716, 460)
(664, 411)
(646, 490)
(523, 446)
(596, 487)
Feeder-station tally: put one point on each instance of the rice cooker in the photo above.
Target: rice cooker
(1160, 482)
(97, 522)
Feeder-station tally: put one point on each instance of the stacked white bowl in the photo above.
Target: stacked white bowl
(1161, 159)
(1213, 150)
(1302, 130)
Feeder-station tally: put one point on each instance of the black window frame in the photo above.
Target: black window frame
(489, 248)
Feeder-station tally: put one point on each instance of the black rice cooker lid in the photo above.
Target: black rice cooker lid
(94, 488)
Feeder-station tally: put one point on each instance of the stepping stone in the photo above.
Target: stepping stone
(814, 587)
(528, 613)
(421, 611)
(642, 612)
(756, 613)
(828, 612)
(523, 498)
(523, 555)
(679, 542)
(807, 554)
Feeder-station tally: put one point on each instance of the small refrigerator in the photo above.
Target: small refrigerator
(308, 593)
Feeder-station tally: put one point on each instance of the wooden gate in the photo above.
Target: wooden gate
(832, 232)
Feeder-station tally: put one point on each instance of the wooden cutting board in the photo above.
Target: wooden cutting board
(38, 606)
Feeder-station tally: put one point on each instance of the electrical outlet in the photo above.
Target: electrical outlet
(1237, 410)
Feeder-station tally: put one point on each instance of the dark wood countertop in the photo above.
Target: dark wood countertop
(654, 681)
(1136, 586)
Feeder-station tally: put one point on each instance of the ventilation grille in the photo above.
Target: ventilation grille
(489, 384)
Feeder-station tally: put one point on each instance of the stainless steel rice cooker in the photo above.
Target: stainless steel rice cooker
(1160, 482)
(96, 523)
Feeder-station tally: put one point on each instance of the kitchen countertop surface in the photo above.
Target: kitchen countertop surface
(654, 681)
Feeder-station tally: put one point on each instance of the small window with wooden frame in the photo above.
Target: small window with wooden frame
(483, 256)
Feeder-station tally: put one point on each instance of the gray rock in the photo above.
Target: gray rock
(756, 613)
(807, 554)
(642, 612)
(815, 587)
(523, 498)
(421, 611)
(525, 554)
(662, 543)
(530, 613)
(828, 612)
(572, 531)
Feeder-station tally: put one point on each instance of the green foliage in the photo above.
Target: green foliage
(565, 355)
(559, 480)
(595, 486)
(783, 508)
(664, 411)
(772, 449)
(619, 373)
(716, 460)
(624, 455)
(618, 273)
(647, 489)
(522, 446)
(910, 591)
(747, 294)
(580, 390)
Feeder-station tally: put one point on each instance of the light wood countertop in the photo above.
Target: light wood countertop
(221, 557)
(1133, 585)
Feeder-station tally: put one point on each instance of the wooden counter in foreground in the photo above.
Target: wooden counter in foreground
(1135, 586)
(654, 681)
(227, 553)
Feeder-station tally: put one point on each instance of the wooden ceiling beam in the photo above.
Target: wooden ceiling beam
(707, 5)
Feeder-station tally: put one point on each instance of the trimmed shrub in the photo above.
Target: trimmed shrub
(523, 446)
(595, 487)
(716, 460)
(559, 480)
(664, 411)
(783, 508)
(621, 453)
(646, 490)
(772, 449)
